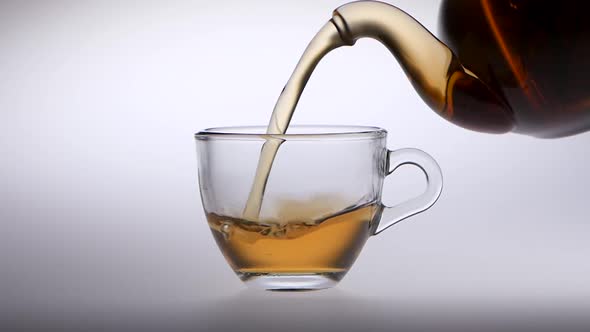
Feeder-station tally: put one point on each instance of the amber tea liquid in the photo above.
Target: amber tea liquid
(327, 245)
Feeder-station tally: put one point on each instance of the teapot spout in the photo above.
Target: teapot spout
(438, 76)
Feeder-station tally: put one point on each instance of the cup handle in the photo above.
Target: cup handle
(434, 183)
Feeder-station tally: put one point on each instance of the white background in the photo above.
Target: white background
(99, 205)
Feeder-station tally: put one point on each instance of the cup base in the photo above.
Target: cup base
(291, 282)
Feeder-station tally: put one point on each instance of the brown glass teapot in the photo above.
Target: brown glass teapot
(505, 65)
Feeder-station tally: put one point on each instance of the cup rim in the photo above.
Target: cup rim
(295, 132)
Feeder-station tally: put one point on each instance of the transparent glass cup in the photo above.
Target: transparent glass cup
(320, 202)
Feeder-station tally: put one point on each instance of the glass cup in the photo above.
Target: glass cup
(317, 207)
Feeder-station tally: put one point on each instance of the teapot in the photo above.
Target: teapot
(500, 66)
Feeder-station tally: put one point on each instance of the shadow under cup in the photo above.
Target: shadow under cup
(293, 211)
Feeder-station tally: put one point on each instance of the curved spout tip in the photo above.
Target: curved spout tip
(343, 29)
(435, 72)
